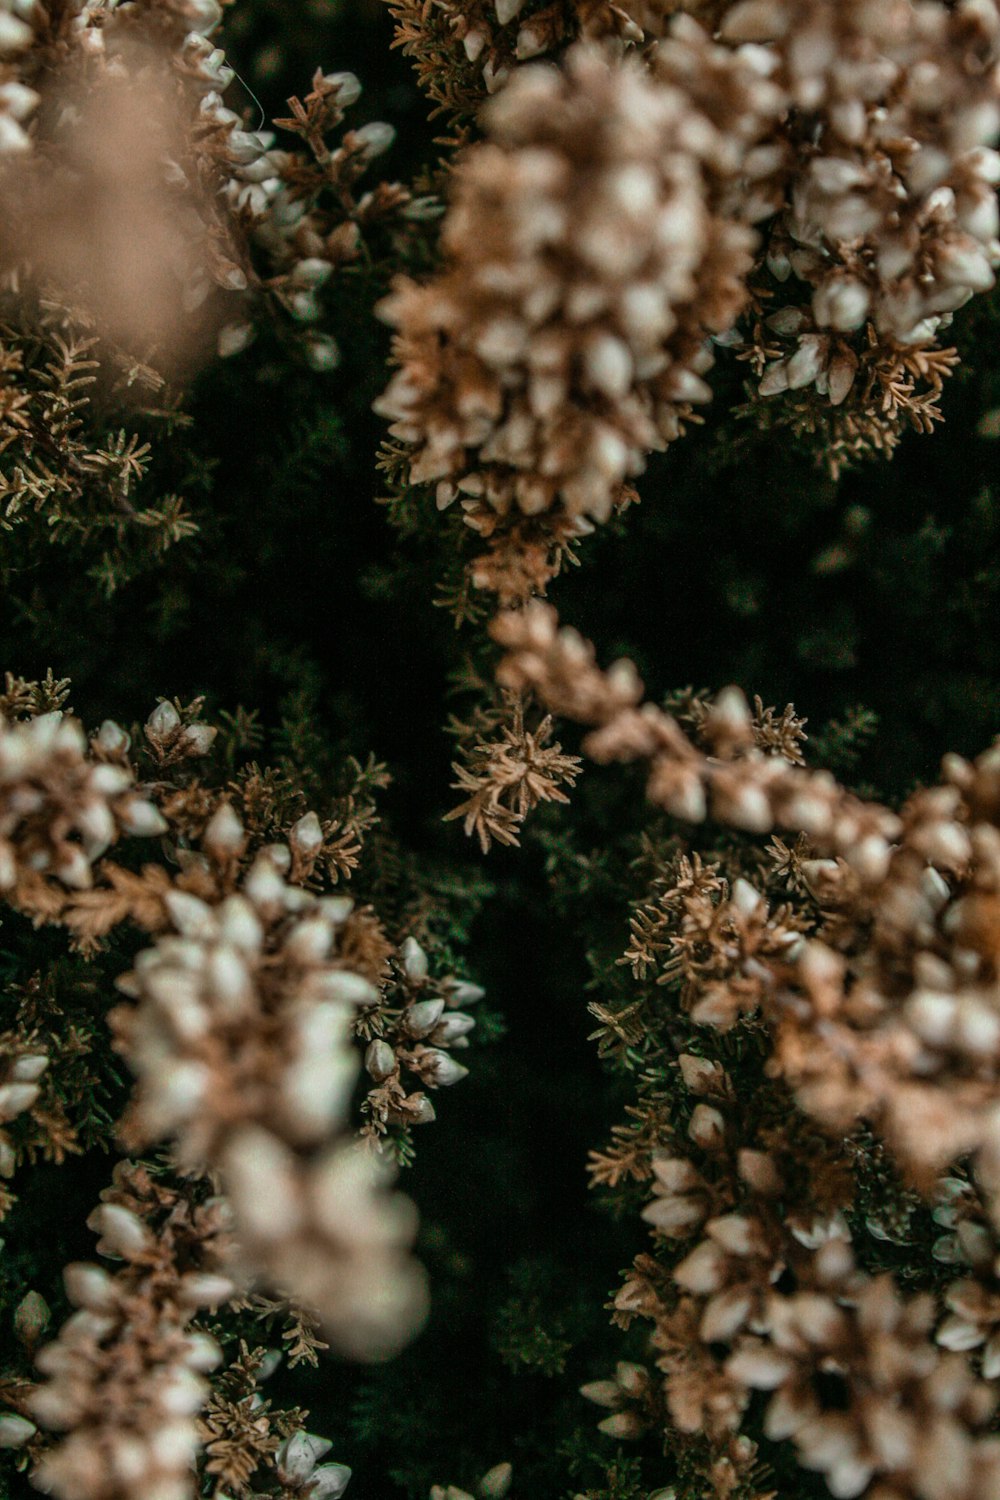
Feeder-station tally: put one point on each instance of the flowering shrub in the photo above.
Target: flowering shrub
(722, 259)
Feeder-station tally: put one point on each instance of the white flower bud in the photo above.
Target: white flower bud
(707, 1128)
(380, 1060)
(298, 1455)
(17, 99)
(626, 1425)
(111, 738)
(702, 1077)
(270, 1362)
(182, 1393)
(603, 1393)
(310, 940)
(312, 272)
(162, 721)
(347, 85)
(496, 1482)
(337, 908)
(15, 1098)
(703, 1271)
(239, 924)
(89, 1286)
(190, 915)
(762, 1369)
(110, 781)
(224, 832)
(199, 738)
(464, 993)
(329, 1481)
(421, 1018)
(73, 868)
(29, 1067)
(322, 353)
(244, 146)
(608, 365)
(233, 338)
(307, 834)
(264, 885)
(454, 1025)
(96, 823)
(422, 1111)
(202, 15)
(375, 138)
(15, 1431)
(633, 1378)
(260, 1178)
(444, 1070)
(141, 819)
(198, 1289)
(349, 988)
(172, 1446)
(31, 1318)
(304, 307)
(805, 364)
(14, 36)
(123, 1230)
(414, 960)
(959, 1336)
(203, 1352)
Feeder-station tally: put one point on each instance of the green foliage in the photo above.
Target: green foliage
(521, 1337)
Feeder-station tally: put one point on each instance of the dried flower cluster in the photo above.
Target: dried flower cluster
(241, 1042)
(125, 1377)
(755, 1288)
(232, 970)
(250, 1016)
(892, 1012)
(506, 770)
(413, 1031)
(465, 50)
(875, 984)
(890, 216)
(551, 355)
(60, 810)
(22, 1066)
(738, 784)
(253, 1447)
(306, 217)
(493, 1485)
(568, 332)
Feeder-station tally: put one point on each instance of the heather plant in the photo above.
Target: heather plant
(500, 819)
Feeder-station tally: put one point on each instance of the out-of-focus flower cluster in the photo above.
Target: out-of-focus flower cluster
(241, 1042)
(203, 224)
